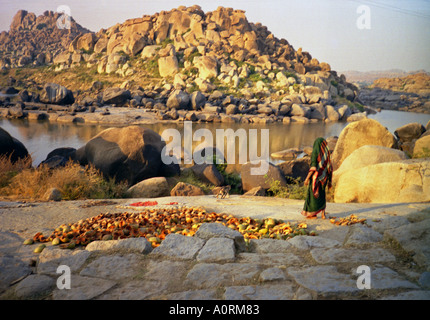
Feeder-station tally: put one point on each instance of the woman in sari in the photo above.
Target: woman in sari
(319, 177)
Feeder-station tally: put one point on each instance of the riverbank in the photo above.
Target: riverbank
(392, 243)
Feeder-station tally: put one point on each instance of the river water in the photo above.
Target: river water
(41, 137)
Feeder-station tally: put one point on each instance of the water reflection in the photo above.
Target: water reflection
(41, 137)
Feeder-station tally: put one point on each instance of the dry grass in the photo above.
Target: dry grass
(9, 169)
(73, 181)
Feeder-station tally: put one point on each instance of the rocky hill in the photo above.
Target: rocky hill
(415, 83)
(35, 40)
(218, 53)
(409, 93)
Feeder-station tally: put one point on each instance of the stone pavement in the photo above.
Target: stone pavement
(216, 263)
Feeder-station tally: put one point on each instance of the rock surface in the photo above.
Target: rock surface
(129, 154)
(11, 147)
(358, 134)
(368, 155)
(398, 181)
(212, 267)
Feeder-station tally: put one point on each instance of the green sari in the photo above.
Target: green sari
(321, 177)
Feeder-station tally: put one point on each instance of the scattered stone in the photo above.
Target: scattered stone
(186, 189)
(288, 154)
(149, 188)
(310, 242)
(255, 192)
(52, 257)
(116, 96)
(208, 173)
(138, 245)
(53, 194)
(179, 247)
(272, 274)
(178, 99)
(217, 250)
(217, 230)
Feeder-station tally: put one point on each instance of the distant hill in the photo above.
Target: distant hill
(367, 78)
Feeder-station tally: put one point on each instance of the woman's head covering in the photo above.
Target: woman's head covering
(322, 162)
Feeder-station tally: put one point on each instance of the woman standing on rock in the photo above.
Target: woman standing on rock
(319, 176)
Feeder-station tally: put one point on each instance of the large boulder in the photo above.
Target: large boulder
(264, 179)
(358, 134)
(207, 65)
(198, 100)
(388, 182)
(116, 96)
(422, 147)
(183, 189)
(11, 147)
(178, 99)
(298, 168)
(208, 173)
(149, 188)
(85, 42)
(56, 94)
(168, 66)
(409, 132)
(130, 154)
(368, 155)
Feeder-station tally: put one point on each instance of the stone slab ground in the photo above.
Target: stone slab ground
(214, 264)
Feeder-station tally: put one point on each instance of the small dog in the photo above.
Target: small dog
(223, 192)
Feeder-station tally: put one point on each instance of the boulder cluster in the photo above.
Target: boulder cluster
(215, 62)
(369, 166)
(35, 40)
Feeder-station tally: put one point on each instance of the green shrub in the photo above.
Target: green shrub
(293, 190)
(189, 177)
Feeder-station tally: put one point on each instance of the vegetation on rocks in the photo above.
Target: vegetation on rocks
(73, 181)
(293, 190)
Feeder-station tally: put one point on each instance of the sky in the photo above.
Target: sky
(382, 35)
